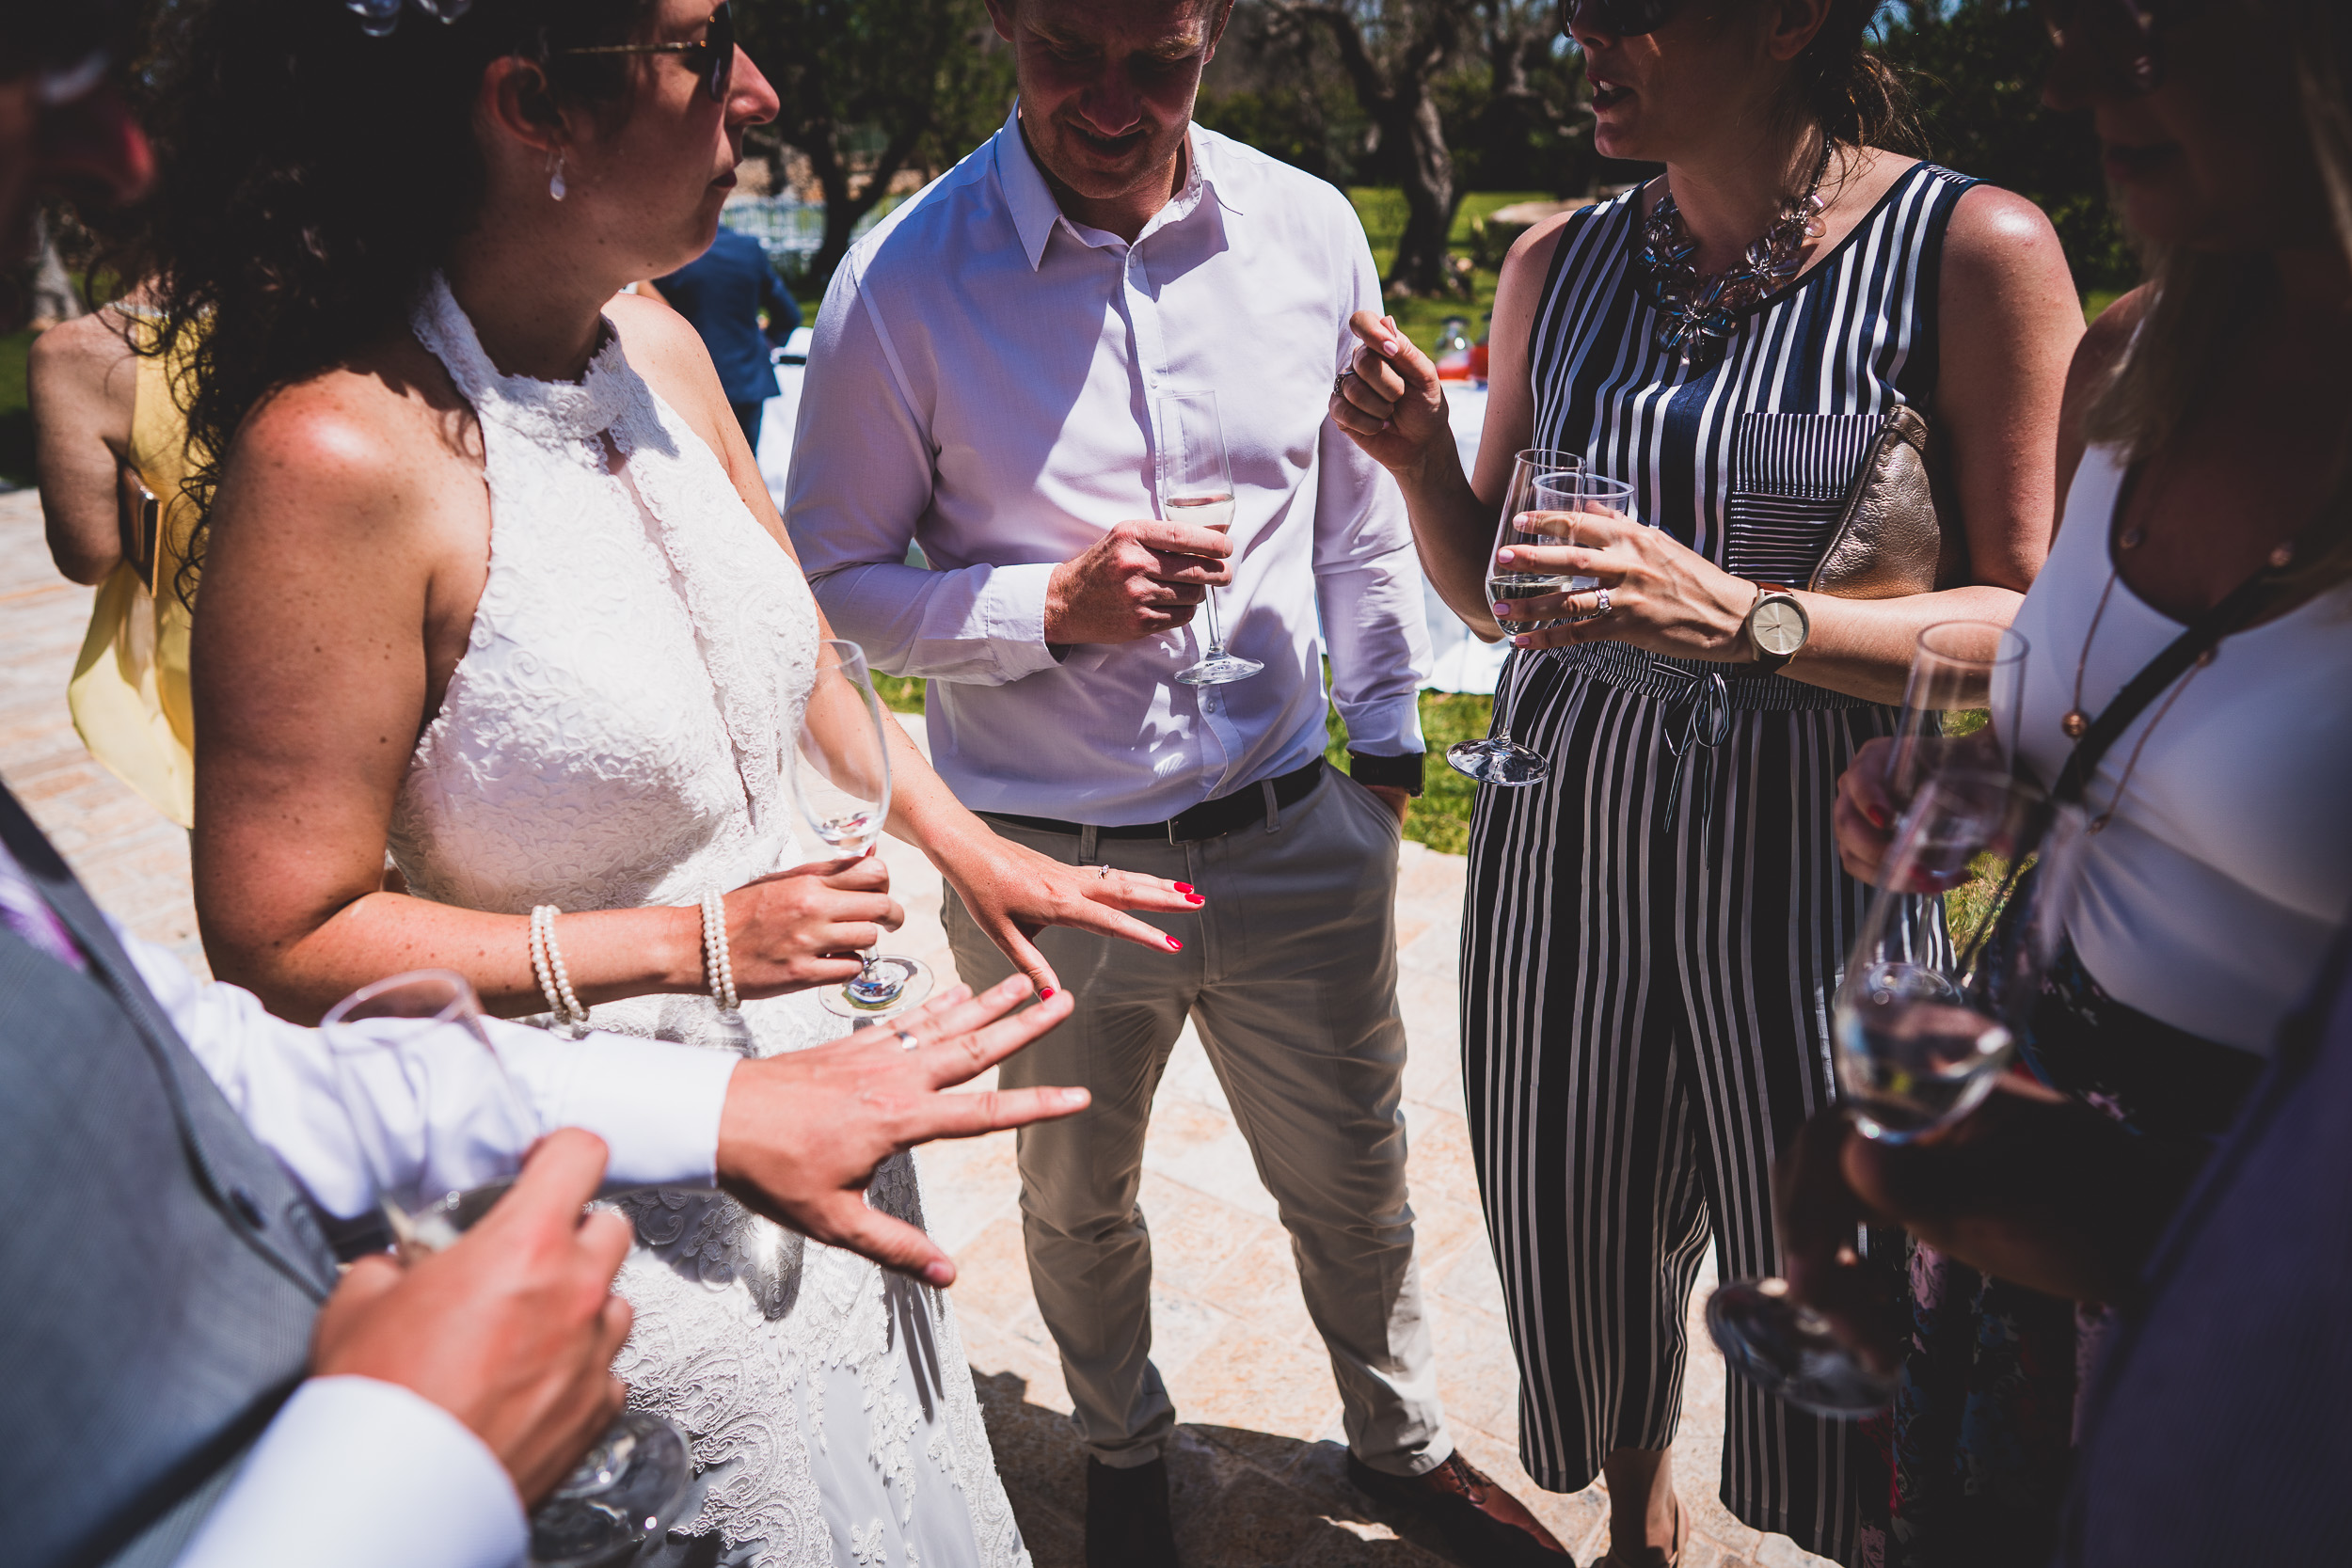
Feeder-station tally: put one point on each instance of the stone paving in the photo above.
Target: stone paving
(1258, 1462)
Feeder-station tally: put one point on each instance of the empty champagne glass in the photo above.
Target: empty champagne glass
(442, 1154)
(1498, 759)
(1934, 993)
(1584, 491)
(1197, 486)
(1960, 704)
(840, 768)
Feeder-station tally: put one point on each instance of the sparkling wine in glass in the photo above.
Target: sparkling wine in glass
(443, 1136)
(1197, 486)
(840, 768)
(1934, 993)
(1498, 759)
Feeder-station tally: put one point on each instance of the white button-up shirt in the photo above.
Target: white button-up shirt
(983, 384)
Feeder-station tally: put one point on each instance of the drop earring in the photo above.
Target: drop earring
(556, 187)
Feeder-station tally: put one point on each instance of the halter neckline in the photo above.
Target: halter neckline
(578, 410)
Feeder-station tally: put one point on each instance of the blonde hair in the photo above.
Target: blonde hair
(2198, 298)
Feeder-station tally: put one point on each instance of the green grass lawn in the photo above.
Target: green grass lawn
(16, 419)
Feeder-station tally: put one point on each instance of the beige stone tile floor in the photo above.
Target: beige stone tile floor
(1257, 1463)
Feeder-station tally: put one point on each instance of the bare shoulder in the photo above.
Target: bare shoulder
(663, 346)
(1528, 263)
(360, 452)
(2102, 348)
(84, 354)
(1999, 242)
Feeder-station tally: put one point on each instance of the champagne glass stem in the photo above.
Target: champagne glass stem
(1217, 630)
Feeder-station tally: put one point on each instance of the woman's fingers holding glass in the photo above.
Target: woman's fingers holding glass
(1864, 815)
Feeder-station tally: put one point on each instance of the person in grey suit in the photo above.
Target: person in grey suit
(207, 1393)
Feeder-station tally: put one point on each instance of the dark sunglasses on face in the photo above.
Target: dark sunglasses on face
(712, 57)
(1617, 18)
(2120, 36)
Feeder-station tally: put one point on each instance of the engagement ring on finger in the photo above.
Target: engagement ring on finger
(907, 1040)
(1102, 870)
(1338, 384)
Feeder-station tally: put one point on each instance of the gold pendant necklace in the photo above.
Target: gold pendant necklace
(2076, 720)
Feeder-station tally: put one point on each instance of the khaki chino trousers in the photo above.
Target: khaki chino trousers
(1289, 974)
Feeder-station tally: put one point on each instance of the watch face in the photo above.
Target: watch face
(1778, 628)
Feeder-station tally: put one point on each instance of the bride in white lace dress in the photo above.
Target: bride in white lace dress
(491, 584)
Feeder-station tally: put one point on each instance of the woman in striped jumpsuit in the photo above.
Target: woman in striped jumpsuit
(1654, 932)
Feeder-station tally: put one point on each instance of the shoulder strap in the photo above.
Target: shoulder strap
(2241, 606)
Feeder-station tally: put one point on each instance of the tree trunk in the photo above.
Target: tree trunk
(1430, 199)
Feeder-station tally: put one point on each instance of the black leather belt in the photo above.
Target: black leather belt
(1244, 808)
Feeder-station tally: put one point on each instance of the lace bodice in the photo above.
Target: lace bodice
(610, 738)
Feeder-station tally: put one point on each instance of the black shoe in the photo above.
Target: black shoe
(1481, 1522)
(1127, 1521)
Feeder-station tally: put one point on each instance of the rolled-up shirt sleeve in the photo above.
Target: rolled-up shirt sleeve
(656, 1106)
(1368, 581)
(861, 480)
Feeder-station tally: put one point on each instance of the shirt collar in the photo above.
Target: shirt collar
(1035, 211)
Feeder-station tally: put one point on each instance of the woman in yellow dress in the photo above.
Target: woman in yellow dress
(112, 453)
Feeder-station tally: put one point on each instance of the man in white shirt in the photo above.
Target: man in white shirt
(985, 383)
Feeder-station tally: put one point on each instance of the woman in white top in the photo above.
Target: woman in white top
(2207, 422)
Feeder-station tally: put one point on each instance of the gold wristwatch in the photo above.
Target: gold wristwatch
(1777, 626)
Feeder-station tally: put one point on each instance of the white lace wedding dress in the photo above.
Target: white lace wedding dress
(610, 739)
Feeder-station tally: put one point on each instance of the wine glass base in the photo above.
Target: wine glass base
(889, 986)
(1498, 762)
(1219, 669)
(1790, 1352)
(620, 1495)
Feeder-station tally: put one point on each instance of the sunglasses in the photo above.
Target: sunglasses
(712, 57)
(2120, 36)
(1618, 18)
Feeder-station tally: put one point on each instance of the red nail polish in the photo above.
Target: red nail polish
(1045, 994)
(1195, 898)
(1175, 946)
(1181, 887)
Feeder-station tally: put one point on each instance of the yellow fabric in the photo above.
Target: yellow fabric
(130, 689)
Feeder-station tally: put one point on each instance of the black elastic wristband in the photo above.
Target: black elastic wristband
(1388, 772)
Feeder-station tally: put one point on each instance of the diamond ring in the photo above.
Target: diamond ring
(907, 1040)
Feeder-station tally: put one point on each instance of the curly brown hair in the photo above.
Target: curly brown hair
(311, 178)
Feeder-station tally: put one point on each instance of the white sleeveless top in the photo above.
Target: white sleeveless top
(2210, 899)
(610, 738)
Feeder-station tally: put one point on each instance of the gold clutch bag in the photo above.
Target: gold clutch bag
(1900, 532)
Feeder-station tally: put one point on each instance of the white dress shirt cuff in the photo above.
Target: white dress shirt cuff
(1011, 611)
(655, 1104)
(364, 1474)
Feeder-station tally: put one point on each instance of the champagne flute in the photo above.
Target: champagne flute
(1960, 704)
(1498, 759)
(1197, 486)
(840, 768)
(441, 1158)
(1926, 1016)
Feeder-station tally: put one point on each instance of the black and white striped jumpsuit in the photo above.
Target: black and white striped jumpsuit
(1647, 964)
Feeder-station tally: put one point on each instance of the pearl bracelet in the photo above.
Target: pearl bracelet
(718, 965)
(547, 966)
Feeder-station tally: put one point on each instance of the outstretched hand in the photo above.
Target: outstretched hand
(801, 1135)
(1012, 891)
(513, 1329)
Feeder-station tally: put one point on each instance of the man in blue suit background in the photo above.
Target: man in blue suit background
(724, 292)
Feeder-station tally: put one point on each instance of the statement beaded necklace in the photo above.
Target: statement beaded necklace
(1697, 315)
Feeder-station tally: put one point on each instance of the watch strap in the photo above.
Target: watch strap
(1403, 772)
